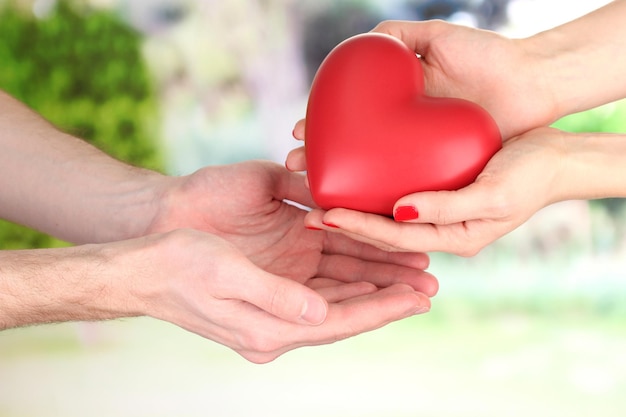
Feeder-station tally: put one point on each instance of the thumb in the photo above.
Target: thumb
(285, 299)
(416, 35)
(445, 207)
(291, 186)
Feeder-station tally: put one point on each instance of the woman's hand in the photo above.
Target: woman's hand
(502, 75)
(523, 177)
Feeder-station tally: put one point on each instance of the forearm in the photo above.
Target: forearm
(582, 63)
(63, 186)
(592, 166)
(57, 285)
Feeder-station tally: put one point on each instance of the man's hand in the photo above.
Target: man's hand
(245, 205)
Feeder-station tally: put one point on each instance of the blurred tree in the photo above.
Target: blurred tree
(81, 69)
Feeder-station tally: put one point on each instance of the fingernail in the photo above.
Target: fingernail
(334, 226)
(424, 305)
(404, 213)
(312, 228)
(313, 311)
(421, 310)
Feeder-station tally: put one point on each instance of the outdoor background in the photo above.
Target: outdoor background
(532, 326)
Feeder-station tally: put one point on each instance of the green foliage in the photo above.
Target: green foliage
(610, 118)
(83, 71)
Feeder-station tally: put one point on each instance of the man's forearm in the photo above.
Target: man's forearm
(63, 186)
(58, 285)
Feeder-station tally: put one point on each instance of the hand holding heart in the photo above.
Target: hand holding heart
(373, 136)
(507, 77)
(520, 179)
(524, 84)
(461, 221)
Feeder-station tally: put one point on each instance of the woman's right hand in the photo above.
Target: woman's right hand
(500, 74)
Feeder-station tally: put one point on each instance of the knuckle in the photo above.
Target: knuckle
(259, 345)
(469, 251)
(383, 26)
(441, 216)
(465, 242)
(500, 205)
(257, 358)
(280, 301)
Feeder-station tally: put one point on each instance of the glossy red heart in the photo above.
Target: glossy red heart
(372, 136)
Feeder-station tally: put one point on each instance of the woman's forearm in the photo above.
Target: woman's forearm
(63, 186)
(592, 166)
(582, 62)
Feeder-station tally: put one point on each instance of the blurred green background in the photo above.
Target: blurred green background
(533, 325)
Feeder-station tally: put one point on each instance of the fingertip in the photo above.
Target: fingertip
(432, 286)
(293, 162)
(314, 219)
(404, 213)
(298, 130)
(424, 304)
(314, 310)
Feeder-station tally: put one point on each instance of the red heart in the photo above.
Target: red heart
(372, 136)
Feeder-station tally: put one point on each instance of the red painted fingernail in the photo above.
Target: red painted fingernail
(404, 213)
(312, 228)
(334, 226)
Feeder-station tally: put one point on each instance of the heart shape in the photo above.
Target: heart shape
(372, 136)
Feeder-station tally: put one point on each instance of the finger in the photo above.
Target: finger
(338, 243)
(296, 160)
(382, 232)
(315, 219)
(341, 292)
(473, 202)
(350, 269)
(344, 240)
(281, 297)
(464, 238)
(351, 257)
(298, 130)
(416, 35)
(318, 283)
(291, 186)
(346, 319)
(366, 313)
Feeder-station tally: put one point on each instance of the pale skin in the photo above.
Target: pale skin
(218, 252)
(526, 84)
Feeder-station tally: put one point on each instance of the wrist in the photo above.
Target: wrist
(123, 208)
(545, 74)
(169, 207)
(137, 204)
(593, 166)
(181, 203)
